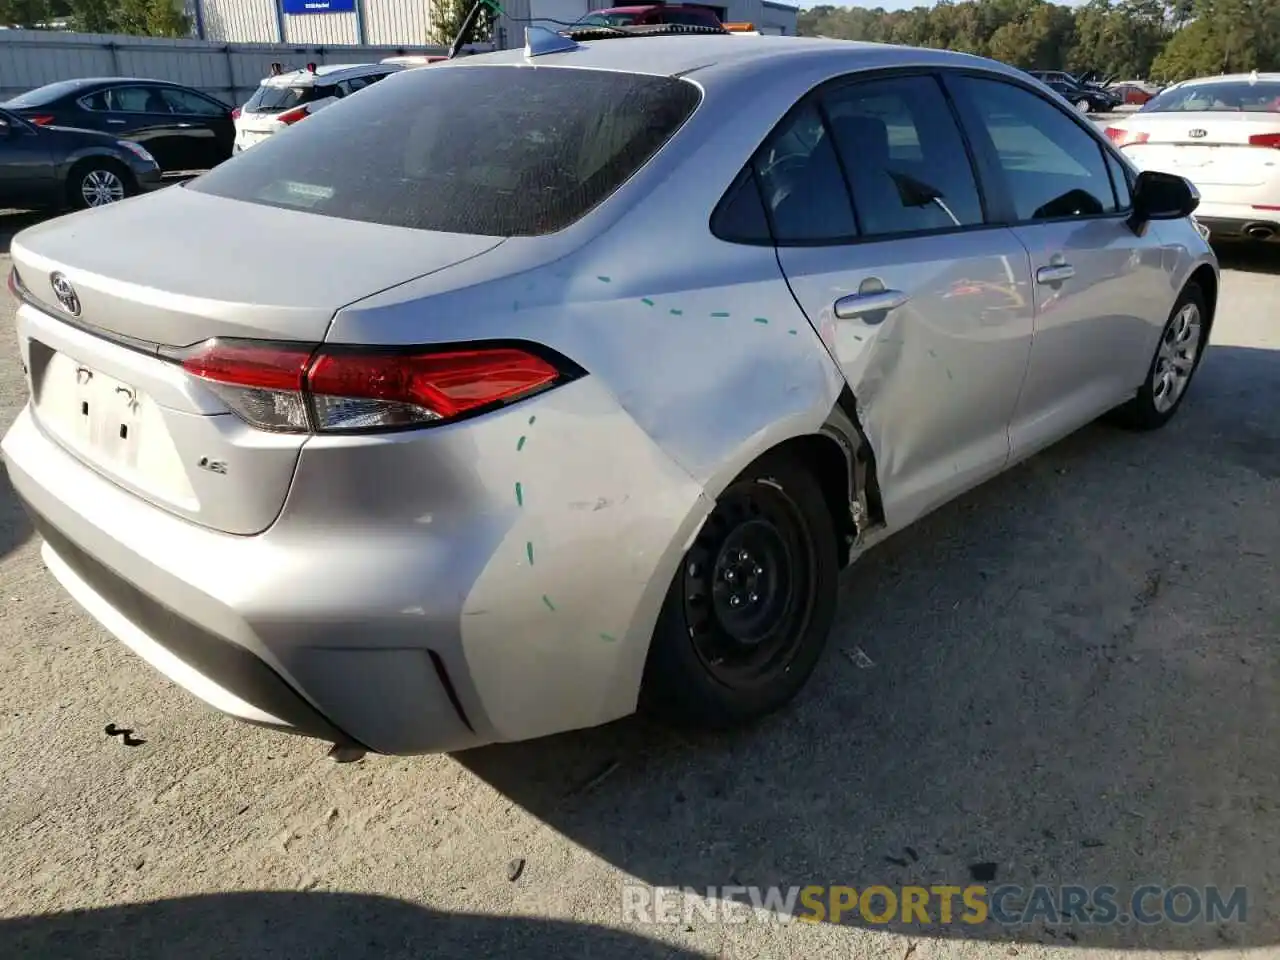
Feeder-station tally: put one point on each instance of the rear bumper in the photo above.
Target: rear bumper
(219, 670)
(1244, 223)
(396, 603)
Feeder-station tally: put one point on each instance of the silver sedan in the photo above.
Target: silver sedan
(526, 390)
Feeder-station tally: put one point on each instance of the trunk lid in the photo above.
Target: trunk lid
(229, 269)
(1210, 148)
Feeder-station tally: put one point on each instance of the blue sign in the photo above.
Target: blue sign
(296, 7)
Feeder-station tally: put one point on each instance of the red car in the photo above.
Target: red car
(690, 14)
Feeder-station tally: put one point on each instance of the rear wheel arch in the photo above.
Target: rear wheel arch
(839, 457)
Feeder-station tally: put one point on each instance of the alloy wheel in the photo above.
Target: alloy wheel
(101, 187)
(1176, 357)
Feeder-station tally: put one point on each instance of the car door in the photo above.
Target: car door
(207, 130)
(138, 112)
(27, 175)
(1054, 181)
(881, 231)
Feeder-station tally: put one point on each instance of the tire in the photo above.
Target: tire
(1188, 323)
(771, 543)
(104, 179)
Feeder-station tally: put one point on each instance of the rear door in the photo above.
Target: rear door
(922, 301)
(1101, 291)
(139, 112)
(207, 132)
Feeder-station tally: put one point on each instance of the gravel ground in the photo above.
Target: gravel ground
(1069, 676)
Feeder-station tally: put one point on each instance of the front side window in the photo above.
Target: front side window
(1053, 169)
(905, 159)
(485, 150)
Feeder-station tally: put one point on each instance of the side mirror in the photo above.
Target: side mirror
(1162, 196)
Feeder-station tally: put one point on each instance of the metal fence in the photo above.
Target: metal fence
(228, 71)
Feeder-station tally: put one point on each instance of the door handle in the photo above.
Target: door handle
(860, 304)
(1055, 273)
(115, 121)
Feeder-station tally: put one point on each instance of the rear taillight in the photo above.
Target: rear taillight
(1265, 140)
(42, 120)
(235, 114)
(293, 116)
(297, 388)
(1122, 137)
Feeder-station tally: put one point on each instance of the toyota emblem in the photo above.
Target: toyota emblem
(1197, 133)
(68, 299)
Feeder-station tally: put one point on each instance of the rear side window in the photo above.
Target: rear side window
(486, 150)
(904, 156)
(801, 184)
(278, 99)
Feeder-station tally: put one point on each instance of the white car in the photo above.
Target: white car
(1222, 134)
(285, 98)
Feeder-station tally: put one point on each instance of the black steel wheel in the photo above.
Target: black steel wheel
(748, 612)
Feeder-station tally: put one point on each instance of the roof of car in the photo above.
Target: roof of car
(325, 74)
(669, 55)
(1236, 78)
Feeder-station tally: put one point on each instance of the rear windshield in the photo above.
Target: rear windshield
(488, 150)
(277, 99)
(46, 94)
(1241, 97)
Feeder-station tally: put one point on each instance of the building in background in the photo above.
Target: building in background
(405, 22)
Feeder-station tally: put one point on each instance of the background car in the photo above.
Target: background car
(571, 386)
(647, 14)
(182, 128)
(53, 168)
(1086, 99)
(1223, 134)
(283, 99)
(1134, 93)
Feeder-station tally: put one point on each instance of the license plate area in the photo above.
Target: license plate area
(101, 417)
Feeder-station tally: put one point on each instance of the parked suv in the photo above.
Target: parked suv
(283, 99)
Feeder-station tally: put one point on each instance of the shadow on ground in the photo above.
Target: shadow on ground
(1069, 676)
(12, 221)
(1249, 257)
(312, 925)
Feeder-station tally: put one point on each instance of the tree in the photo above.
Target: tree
(445, 19)
(144, 18)
(1162, 39)
(31, 14)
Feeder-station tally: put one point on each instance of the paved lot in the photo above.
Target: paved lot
(1075, 678)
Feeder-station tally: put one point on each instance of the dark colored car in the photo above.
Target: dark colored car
(182, 128)
(1085, 99)
(52, 167)
(643, 15)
